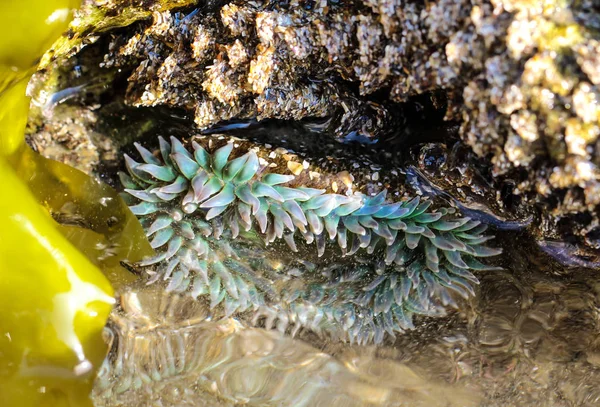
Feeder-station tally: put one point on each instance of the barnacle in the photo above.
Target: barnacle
(206, 211)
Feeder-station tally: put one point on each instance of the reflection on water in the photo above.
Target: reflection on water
(529, 338)
(165, 352)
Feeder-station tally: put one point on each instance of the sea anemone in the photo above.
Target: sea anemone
(206, 214)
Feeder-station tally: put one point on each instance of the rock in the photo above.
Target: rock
(521, 79)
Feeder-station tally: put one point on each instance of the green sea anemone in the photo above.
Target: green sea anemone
(206, 214)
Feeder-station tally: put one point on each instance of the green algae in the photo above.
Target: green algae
(54, 296)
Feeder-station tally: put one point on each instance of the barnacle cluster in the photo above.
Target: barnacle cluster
(532, 104)
(204, 210)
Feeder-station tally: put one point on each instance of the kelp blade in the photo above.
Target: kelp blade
(53, 304)
(54, 301)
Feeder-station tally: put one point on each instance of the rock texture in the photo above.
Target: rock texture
(520, 78)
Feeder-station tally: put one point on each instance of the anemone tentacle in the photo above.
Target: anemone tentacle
(187, 200)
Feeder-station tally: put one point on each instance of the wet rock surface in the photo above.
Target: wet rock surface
(516, 82)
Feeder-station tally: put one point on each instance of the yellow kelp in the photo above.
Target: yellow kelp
(54, 299)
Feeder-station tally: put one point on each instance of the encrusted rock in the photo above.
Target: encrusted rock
(522, 78)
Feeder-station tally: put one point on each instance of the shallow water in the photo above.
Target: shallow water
(530, 337)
